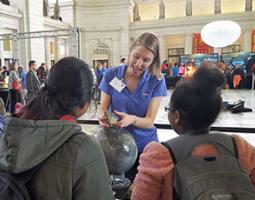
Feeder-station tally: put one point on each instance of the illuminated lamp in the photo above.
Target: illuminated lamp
(220, 34)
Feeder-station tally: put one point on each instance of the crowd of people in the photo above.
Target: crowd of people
(174, 72)
(22, 85)
(72, 164)
(235, 76)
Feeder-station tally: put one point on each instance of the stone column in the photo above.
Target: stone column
(136, 16)
(248, 5)
(124, 44)
(162, 50)
(161, 10)
(188, 7)
(217, 6)
(45, 8)
(56, 56)
(188, 43)
(34, 19)
(2, 53)
(15, 47)
(47, 53)
(247, 40)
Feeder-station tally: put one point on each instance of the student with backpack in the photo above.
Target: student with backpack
(198, 164)
(45, 148)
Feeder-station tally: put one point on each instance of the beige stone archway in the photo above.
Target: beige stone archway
(101, 53)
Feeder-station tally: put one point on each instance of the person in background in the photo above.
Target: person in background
(14, 92)
(46, 133)
(22, 76)
(194, 105)
(105, 67)
(134, 91)
(164, 68)
(122, 61)
(226, 71)
(175, 70)
(5, 71)
(99, 72)
(174, 77)
(222, 66)
(1, 77)
(182, 69)
(165, 71)
(32, 82)
(190, 69)
(46, 70)
(41, 73)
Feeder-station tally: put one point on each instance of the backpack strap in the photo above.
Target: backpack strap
(235, 148)
(170, 151)
(181, 147)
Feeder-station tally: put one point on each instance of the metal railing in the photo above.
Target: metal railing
(168, 126)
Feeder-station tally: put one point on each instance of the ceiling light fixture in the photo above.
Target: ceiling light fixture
(220, 34)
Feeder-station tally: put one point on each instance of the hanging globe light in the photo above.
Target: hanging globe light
(220, 33)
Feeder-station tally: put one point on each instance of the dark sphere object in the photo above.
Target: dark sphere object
(119, 148)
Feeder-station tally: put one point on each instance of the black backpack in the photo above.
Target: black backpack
(14, 186)
(208, 178)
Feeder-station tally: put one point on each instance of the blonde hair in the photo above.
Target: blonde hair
(13, 66)
(150, 42)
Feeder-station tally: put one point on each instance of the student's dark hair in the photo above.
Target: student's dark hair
(68, 85)
(198, 99)
(31, 62)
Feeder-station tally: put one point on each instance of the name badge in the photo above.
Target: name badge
(117, 84)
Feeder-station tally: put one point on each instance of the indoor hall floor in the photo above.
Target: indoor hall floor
(225, 119)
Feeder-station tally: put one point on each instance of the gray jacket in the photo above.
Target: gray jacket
(33, 84)
(73, 165)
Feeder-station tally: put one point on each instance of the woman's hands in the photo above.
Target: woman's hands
(106, 120)
(126, 120)
(103, 119)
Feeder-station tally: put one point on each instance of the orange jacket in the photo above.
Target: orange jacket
(236, 80)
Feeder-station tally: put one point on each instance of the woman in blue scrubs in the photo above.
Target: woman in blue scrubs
(134, 91)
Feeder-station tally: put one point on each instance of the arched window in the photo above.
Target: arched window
(101, 53)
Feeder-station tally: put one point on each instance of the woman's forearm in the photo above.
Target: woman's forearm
(142, 122)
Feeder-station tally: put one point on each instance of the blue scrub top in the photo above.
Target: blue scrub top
(135, 103)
